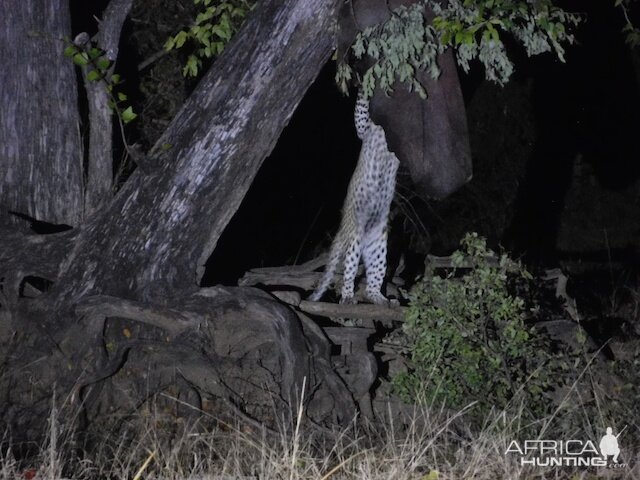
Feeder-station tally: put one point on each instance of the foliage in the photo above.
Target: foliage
(98, 68)
(632, 33)
(407, 42)
(468, 340)
(474, 29)
(399, 47)
(212, 29)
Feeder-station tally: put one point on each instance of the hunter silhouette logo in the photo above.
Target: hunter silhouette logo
(609, 445)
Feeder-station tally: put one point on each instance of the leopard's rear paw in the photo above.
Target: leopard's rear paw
(350, 300)
(378, 298)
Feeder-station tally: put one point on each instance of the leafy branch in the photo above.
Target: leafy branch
(407, 42)
(211, 31)
(475, 30)
(98, 68)
(632, 33)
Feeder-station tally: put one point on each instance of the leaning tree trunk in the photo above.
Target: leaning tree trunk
(159, 231)
(135, 265)
(40, 147)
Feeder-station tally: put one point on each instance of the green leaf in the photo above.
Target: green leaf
(115, 79)
(206, 15)
(70, 51)
(93, 76)
(191, 67)
(103, 63)
(170, 44)
(222, 31)
(121, 96)
(95, 53)
(128, 115)
(180, 39)
(468, 38)
(80, 59)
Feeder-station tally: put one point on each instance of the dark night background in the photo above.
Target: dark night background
(555, 154)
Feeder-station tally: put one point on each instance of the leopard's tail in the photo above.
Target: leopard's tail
(335, 255)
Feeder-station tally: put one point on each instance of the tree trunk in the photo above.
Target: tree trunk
(156, 236)
(125, 301)
(40, 147)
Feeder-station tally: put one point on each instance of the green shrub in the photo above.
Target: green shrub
(468, 340)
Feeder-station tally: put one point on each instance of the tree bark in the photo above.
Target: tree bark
(157, 234)
(40, 147)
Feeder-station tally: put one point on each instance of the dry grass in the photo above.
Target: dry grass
(428, 444)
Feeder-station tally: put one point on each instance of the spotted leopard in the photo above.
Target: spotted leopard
(363, 229)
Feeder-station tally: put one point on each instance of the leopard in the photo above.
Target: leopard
(365, 214)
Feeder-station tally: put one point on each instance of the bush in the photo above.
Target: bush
(467, 337)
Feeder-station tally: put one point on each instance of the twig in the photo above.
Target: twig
(447, 262)
(144, 466)
(152, 59)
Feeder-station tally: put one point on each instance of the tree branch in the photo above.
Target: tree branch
(167, 319)
(111, 24)
(100, 164)
(300, 276)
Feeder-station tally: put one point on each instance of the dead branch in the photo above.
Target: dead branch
(363, 311)
(304, 277)
(568, 303)
(304, 281)
(300, 276)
